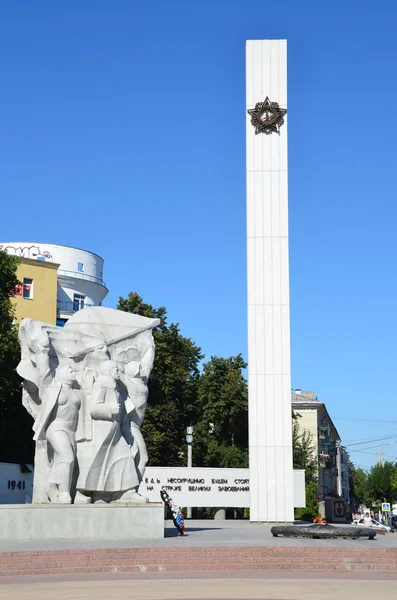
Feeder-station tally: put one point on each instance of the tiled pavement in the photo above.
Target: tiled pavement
(195, 588)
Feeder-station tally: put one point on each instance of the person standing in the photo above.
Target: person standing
(368, 520)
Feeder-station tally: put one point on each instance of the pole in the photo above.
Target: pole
(189, 464)
(189, 455)
(339, 472)
(189, 439)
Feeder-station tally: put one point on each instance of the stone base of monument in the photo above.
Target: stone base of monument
(317, 531)
(81, 521)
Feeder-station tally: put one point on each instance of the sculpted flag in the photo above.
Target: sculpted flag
(85, 386)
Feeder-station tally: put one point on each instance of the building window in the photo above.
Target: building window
(78, 301)
(27, 288)
(80, 267)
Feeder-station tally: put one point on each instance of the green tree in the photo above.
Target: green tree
(379, 484)
(358, 484)
(221, 429)
(223, 399)
(394, 484)
(172, 386)
(310, 511)
(16, 443)
(303, 452)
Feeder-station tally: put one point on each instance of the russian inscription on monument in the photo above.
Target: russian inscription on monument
(198, 486)
(205, 486)
(85, 386)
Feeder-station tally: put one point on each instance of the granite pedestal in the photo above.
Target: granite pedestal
(81, 521)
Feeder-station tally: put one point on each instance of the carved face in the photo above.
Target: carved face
(66, 374)
(114, 372)
(132, 369)
(71, 374)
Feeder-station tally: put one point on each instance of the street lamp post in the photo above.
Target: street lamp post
(339, 489)
(189, 439)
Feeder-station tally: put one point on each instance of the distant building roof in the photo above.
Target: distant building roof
(308, 400)
(304, 397)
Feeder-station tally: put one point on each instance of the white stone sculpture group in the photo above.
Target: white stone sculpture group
(85, 385)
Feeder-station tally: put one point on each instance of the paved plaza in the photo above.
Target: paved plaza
(201, 533)
(203, 585)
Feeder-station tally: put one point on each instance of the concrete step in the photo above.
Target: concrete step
(163, 559)
(207, 552)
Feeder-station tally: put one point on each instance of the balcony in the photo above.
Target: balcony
(81, 275)
(324, 460)
(323, 433)
(70, 306)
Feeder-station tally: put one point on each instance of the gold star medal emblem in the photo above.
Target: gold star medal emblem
(267, 117)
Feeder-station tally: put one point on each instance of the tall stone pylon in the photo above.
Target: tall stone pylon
(269, 371)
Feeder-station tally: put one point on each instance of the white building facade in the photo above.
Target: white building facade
(332, 458)
(269, 373)
(80, 274)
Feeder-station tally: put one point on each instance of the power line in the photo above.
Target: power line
(360, 438)
(368, 440)
(367, 422)
(369, 447)
(375, 453)
(364, 419)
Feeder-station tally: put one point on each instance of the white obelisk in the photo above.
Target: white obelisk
(269, 372)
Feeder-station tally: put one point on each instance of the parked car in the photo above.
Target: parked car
(375, 524)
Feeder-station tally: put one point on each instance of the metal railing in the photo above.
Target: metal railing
(71, 306)
(81, 275)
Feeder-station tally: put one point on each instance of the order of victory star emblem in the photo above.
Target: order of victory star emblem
(267, 117)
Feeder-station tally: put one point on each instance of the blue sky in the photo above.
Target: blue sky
(123, 132)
